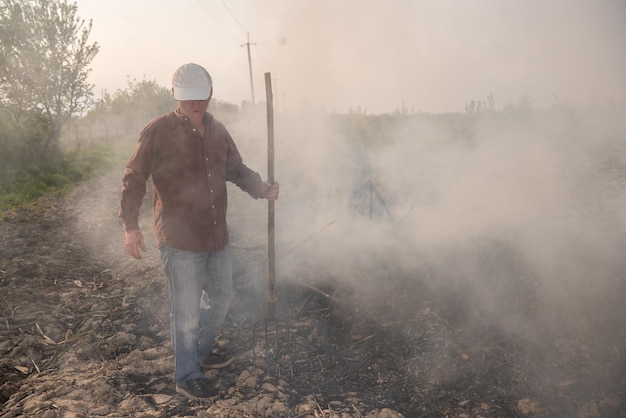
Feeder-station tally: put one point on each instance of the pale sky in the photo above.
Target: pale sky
(432, 56)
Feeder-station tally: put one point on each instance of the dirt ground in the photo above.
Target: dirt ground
(84, 332)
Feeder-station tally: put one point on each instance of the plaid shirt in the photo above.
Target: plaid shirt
(189, 174)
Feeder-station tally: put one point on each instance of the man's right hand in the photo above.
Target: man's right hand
(133, 240)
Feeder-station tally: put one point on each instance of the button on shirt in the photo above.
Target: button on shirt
(189, 174)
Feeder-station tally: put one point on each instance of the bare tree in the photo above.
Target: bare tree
(46, 63)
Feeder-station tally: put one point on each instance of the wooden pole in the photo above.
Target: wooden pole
(271, 298)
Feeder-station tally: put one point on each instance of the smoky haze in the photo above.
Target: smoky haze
(401, 198)
(428, 56)
(514, 223)
(439, 56)
(509, 221)
(510, 218)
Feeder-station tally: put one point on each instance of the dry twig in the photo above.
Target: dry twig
(35, 364)
(47, 339)
(321, 292)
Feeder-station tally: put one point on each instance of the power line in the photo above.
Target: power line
(216, 20)
(233, 16)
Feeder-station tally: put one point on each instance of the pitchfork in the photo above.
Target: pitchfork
(272, 329)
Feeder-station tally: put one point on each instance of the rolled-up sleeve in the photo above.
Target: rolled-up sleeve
(238, 173)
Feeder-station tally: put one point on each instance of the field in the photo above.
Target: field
(453, 265)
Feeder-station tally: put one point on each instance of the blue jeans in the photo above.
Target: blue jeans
(201, 289)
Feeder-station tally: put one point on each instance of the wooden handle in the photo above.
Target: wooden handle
(271, 298)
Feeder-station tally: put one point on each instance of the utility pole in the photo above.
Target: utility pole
(247, 44)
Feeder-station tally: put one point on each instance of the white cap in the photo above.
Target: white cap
(191, 82)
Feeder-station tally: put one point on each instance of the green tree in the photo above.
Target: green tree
(128, 110)
(140, 102)
(45, 64)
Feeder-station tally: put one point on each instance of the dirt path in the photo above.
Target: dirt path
(85, 330)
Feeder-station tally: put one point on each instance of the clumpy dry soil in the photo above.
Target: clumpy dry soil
(84, 332)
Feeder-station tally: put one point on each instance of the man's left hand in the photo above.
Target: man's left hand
(270, 191)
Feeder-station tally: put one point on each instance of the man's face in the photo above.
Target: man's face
(193, 109)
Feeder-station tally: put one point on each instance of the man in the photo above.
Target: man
(190, 156)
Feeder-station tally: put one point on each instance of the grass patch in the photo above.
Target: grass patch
(22, 184)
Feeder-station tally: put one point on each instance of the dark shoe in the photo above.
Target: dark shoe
(197, 389)
(217, 361)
